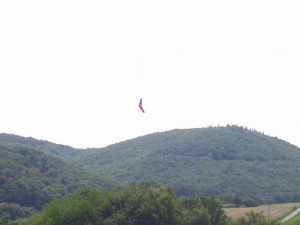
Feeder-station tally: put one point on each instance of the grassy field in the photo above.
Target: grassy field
(276, 211)
(295, 219)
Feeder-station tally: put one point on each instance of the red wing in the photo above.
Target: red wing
(141, 105)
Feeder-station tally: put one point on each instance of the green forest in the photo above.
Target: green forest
(30, 178)
(146, 204)
(237, 165)
(221, 161)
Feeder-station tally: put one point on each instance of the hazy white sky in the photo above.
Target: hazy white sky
(73, 71)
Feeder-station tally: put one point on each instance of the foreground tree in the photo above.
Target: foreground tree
(145, 204)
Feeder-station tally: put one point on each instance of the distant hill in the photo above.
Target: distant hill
(227, 161)
(30, 177)
(222, 161)
(62, 151)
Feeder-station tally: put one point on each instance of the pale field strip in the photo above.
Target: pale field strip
(269, 211)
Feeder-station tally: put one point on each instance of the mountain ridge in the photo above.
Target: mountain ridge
(60, 150)
(222, 161)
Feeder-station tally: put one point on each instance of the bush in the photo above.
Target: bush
(249, 202)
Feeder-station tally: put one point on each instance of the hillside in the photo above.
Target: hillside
(222, 161)
(29, 177)
(62, 151)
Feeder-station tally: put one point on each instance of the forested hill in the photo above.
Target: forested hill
(222, 161)
(29, 177)
(62, 151)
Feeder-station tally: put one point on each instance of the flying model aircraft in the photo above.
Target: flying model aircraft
(141, 105)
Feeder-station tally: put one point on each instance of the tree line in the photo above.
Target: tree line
(142, 204)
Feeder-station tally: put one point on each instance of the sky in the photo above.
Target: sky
(73, 71)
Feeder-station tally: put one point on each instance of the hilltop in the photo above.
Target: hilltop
(222, 161)
(59, 150)
(228, 162)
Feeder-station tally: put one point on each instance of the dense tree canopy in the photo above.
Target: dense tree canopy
(236, 164)
(223, 161)
(62, 151)
(29, 177)
(144, 204)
